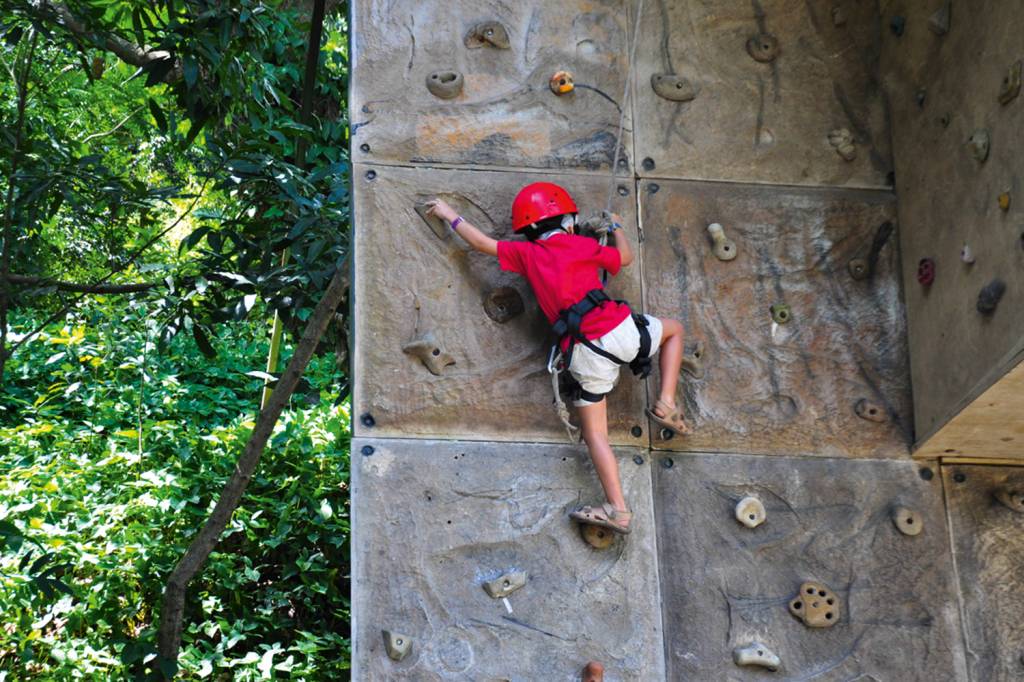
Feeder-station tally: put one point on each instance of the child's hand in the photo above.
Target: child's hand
(441, 209)
(615, 218)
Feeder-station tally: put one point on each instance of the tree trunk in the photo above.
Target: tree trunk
(172, 612)
(316, 32)
(8, 228)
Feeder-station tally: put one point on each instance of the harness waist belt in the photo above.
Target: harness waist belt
(570, 319)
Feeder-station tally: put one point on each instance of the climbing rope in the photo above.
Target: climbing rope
(571, 430)
(555, 367)
(625, 95)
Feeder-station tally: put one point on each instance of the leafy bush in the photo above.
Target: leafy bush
(112, 452)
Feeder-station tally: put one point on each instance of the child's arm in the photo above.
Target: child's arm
(474, 237)
(622, 242)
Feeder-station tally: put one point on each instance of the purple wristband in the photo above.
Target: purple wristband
(455, 223)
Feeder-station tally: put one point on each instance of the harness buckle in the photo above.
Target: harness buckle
(597, 297)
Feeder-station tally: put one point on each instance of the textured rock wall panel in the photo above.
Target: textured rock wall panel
(469, 513)
(788, 388)
(506, 114)
(828, 521)
(410, 283)
(988, 542)
(943, 88)
(761, 121)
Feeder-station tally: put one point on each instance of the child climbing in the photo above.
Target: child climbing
(596, 335)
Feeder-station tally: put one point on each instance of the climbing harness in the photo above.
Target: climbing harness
(568, 325)
(569, 320)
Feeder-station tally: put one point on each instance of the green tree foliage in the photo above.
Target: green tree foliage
(110, 455)
(159, 150)
(206, 126)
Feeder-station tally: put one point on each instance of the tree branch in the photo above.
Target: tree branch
(125, 50)
(131, 259)
(96, 136)
(29, 281)
(173, 608)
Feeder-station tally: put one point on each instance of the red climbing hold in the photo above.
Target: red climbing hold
(926, 272)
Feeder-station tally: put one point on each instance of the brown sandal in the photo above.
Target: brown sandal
(673, 419)
(603, 516)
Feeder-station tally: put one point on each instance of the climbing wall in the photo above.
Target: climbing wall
(832, 524)
(823, 375)
(758, 88)
(792, 530)
(488, 380)
(471, 513)
(495, 107)
(986, 509)
(953, 79)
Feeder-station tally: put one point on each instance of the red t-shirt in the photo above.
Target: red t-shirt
(562, 269)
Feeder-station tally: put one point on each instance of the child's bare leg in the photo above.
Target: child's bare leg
(671, 360)
(594, 423)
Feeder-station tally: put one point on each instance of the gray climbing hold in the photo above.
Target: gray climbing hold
(907, 521)
(436, 225)
(396, 644)
(1011, 498)
(920, 96)
(486, 33)
(724, 248)
(763, 47)
(502, 304)
(1010, 87)
(429, 353)
(838, 16)
(693, 362)
(979, 142)
(989, 296)
(781, 314)
(750, 512)
(505, 585)
(445, 84)
(756, 654)
(816, 605)
(841, 140)
(967, 254)
(870, 411)
(938, 23)
(859, 268)
(672, 87)
(597, 536)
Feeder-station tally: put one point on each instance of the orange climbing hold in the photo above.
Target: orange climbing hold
(561, 83)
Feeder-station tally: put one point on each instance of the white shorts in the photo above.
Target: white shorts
(598, 374)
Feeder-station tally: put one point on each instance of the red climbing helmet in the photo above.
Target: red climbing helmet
(538, 201)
